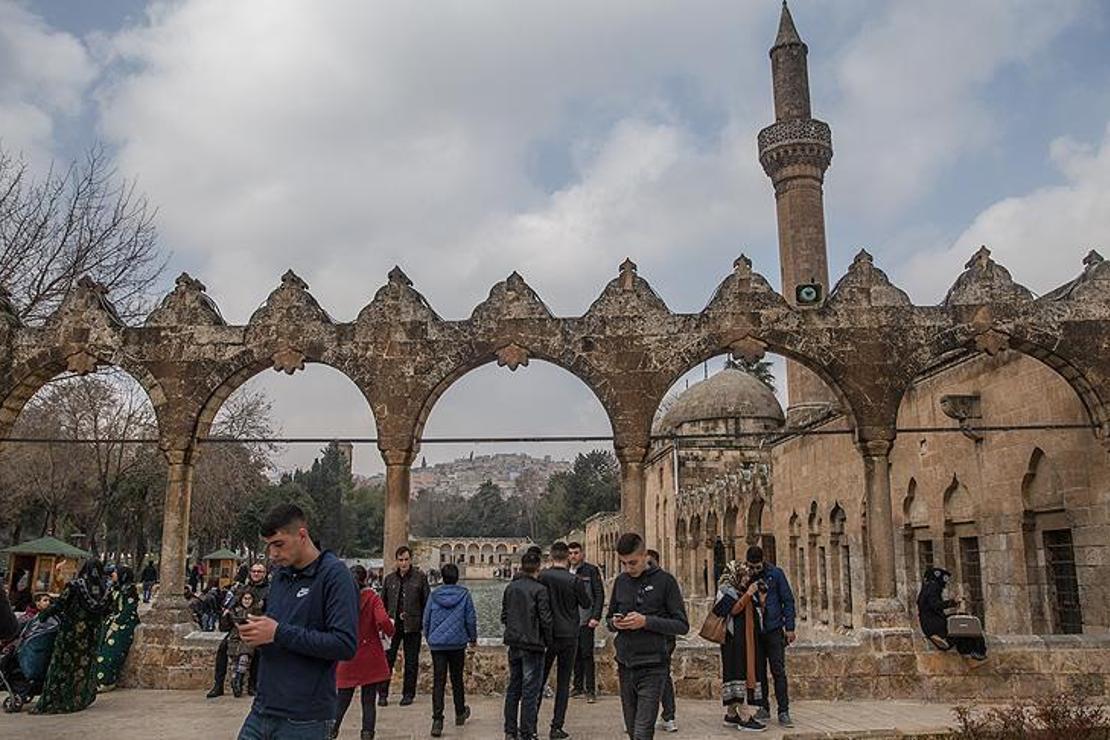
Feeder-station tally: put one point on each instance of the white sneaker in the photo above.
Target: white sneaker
(667, 725)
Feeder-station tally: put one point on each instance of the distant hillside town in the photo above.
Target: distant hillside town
(464, 476)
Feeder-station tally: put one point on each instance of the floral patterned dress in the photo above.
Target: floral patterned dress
(119, 631)
(70, 684)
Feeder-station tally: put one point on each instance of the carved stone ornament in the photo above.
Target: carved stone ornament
(187, 303)
(992, 342)
(985, 281)
(866, 285)
(81, 362)
(290, 302)
(748, 349)
(512, 298)
(628, 274)
(512, 356)
(288, 360)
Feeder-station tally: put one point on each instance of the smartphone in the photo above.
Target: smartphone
(240, 620)
(617, 616)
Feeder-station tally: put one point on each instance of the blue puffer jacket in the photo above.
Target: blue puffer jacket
(450, 621)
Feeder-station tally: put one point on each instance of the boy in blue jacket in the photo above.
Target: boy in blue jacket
(450, 624)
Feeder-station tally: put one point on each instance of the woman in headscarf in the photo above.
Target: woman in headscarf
(70, 684)
(119, 630)
(932, 613)
(743, 666)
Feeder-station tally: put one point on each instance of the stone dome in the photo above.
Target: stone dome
(729, 394)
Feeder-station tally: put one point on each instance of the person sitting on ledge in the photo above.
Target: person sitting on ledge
(932, 612)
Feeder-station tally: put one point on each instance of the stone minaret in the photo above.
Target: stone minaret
(795, 151)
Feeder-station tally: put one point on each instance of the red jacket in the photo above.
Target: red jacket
(368, 666)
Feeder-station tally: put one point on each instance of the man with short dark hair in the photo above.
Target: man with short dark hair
(526, 614)
(149, 577)
(311, 623)
(645, 607)
(667, 721)
(588, 620)
(450, 623)
(405, 593)
(777, 632)
(567, 595)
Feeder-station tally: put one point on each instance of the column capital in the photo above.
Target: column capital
(398, 457)
(631, 454)
(874, 447)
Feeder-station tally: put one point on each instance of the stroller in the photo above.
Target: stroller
(23, 662)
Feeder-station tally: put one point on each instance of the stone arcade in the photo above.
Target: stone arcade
(857, 354)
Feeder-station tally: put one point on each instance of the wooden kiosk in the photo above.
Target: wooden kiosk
(42, 558)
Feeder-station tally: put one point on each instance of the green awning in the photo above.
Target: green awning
(47, 546)
(222, 554)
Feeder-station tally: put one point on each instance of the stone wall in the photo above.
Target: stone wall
(877, 664)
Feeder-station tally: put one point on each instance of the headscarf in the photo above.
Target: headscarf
(737, 575)
(90, 589)
(937, 575)
(124, 575)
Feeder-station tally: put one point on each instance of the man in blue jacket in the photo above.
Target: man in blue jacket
(450, 624)
(311, 623)
(778, 630)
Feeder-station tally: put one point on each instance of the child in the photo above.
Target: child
(237, 650)
(42, 602)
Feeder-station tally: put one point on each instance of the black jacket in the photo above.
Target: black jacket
(567, 594)
(9, 627)
(415, 597)
(526, 614)
(589, 574)
(656, 595)
(150, 574)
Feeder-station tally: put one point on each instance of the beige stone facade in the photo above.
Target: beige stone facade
(476, 557)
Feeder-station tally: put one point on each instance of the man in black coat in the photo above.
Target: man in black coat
(588, 620)
(526, 614)
(405, 593)
(567, 594)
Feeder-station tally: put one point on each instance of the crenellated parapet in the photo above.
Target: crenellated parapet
(867, 341)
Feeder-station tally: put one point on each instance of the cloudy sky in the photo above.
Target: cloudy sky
(463, 140)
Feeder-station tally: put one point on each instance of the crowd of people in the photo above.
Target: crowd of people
(304, 632)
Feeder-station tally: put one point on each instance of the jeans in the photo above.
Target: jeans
(410, 641)
(268, 727)
(147, 588)
(221, 668)
(442, 662)
(369, 707)
(584, 668)
(208, 622)
(774, 647)
(668, 690)
(523, 692)
(564, 651)
(641, 688)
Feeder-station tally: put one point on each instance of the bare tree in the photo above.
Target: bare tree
(76, 221)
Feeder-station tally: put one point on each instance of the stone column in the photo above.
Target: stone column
(633, 488)
(398, 465)
(175, 536)
(883, 607)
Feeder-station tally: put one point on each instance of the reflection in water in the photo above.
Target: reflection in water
(487, 602)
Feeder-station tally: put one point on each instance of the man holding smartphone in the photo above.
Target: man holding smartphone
(645, 608)
(778, 630)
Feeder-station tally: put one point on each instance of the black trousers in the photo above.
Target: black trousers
(668, 701)
(584, 668)
(410, 642)
(221, 667)
(442, 662)
(565, 651)
(641, 689)
(774, 647)
(369, 708)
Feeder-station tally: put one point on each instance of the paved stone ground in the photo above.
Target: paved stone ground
(126, 714)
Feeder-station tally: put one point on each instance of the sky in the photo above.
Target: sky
(465, 140)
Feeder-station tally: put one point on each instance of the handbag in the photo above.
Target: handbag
(714, 628)
(964, 625)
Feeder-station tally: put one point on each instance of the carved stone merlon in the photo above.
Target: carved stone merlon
(966, 409)
(512, 356)
(288, 360)
(628, 274)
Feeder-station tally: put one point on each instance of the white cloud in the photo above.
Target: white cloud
(46, 74)
(912, 86)
(1041, 237)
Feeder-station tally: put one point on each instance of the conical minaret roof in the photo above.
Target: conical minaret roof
(788, 34)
